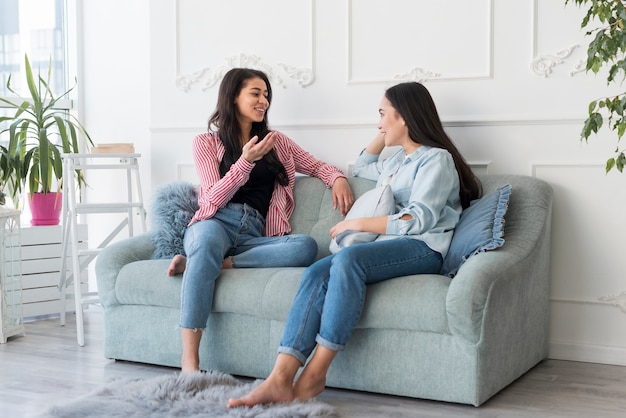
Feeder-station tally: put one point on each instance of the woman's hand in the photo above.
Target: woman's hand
(344, 226)
(342, 195)
(254, 149)
(377, 144)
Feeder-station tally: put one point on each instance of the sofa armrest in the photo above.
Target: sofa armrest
(469, 293)
(505, 292)
(115, 256)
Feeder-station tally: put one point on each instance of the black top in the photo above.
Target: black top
(257, 192)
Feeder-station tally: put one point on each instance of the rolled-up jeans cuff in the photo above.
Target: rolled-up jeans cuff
(327, 344)
(293, 352)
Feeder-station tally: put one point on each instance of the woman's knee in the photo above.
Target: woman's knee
(351, 265)
(347, 257)
(202, 237)
(305, 249)
(319, 270)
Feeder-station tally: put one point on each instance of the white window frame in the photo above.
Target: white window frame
(72, 23)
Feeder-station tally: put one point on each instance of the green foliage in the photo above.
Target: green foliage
(38, 134)
(607, 49)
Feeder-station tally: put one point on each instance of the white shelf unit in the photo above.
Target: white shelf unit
(41, 248)
(11, 315)
(73, 207)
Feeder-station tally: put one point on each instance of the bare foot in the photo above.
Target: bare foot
(228, 263)
(309, 385)
(177, 266)
(270, 391)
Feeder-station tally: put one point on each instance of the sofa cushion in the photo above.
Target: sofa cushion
(481, 228)
(268, 293)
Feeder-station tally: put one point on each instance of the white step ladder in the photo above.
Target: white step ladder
(81, 257)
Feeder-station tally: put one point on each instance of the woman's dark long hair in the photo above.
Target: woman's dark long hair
(225, 119)
(414, 103)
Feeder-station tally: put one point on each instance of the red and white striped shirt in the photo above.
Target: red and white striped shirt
(215, 192)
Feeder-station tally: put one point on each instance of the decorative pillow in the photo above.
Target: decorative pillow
(173, 206)
(480, 229)
(375, 202)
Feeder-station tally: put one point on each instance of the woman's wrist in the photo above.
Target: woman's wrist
(377, 145)
(341, 177)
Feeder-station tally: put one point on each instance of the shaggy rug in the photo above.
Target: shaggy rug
(180, 395)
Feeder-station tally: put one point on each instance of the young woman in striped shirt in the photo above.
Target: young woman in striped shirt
(247, 175)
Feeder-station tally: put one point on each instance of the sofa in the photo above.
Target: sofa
(429, 336)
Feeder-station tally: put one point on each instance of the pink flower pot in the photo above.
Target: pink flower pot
(45, 208)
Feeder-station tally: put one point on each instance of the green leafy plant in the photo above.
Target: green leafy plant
(39, 132)
(607, 49)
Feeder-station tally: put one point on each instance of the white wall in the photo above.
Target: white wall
(114, 73)
(505, 75)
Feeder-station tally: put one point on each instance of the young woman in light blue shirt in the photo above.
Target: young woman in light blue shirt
(431, 184)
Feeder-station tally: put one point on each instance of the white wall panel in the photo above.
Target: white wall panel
(423, 37)
(587, 331)
(557, 51)
(212, 37)
(583, 260)
(587, 277)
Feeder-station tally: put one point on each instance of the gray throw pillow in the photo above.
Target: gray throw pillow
(376, 202)
(173, 206)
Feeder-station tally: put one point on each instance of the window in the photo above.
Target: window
(36, 28)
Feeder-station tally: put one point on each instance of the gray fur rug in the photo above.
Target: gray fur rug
(180, 395)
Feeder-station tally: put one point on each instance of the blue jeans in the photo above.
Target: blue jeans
(331, 295)
(237, 231)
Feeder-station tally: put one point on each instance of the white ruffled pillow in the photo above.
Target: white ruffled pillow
(376, 202)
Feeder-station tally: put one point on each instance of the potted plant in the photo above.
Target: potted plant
(39, 133)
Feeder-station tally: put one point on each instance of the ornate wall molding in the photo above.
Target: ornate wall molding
(277, 71)
(580, 67)
(618, 301)
(544, 64)
(209, 77)
(416, 74)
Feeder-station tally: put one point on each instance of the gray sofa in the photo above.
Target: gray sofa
(425, 336)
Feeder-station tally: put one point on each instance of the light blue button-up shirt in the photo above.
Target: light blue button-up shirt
(425, 186)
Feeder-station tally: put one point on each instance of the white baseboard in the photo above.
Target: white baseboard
(588, 353)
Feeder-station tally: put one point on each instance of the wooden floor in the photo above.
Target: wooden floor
(47, 366)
